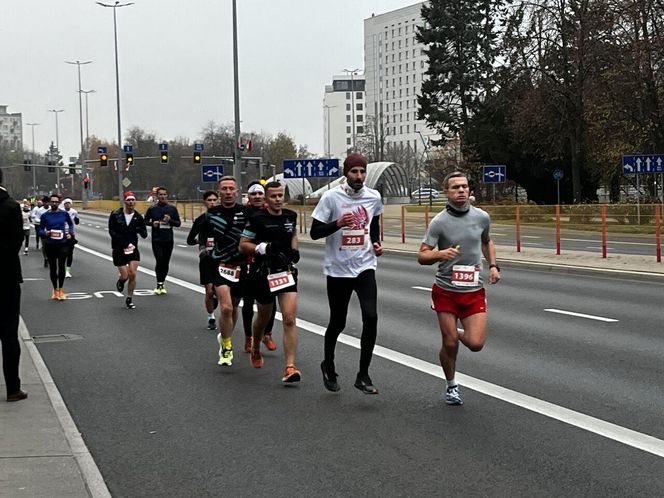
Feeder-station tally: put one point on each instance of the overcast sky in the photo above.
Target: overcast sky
(176, 64)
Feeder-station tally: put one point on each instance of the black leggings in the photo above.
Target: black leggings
(70, 256)
(57, 255)
(339, 291)
(162, 254)
(26, 237)
(248, 315)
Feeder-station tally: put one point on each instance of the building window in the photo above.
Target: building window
(347, 95)
(400, 130)
(359, 118)
(348, 130)
(359, 107)
(358, 95)
(348, 107)
(399, 31)
(407, 128)
(347, 118)
(348, 141)
(360, 129)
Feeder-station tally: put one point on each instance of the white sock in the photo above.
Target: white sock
(451, 383)
(210, 316)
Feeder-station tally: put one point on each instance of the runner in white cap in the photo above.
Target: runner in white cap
(73, 215)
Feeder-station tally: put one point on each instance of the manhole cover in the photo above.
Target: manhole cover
(56, 338)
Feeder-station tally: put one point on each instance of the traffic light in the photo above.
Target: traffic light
(164, 157)
(103, 159)
(129, 159)
(197, 157)
(26, 165)
(86, 183)
(72, 169)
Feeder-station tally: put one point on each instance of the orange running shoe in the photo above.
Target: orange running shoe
(291, 374)
(61, 295)
(248, 342)
(256, 359)
(269, 342)
(55, 293)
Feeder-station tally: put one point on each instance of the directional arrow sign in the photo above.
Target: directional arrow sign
(643, 163)
(305, 168)
(494, 173)
(211, 173)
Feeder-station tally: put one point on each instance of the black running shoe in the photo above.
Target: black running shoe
(329, 379)
(130, 304)
(212, 324)
(364, 384)
(119, 285)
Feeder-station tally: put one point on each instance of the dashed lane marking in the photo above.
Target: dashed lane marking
(581, 315)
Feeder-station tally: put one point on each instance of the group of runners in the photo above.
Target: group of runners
(250, 253)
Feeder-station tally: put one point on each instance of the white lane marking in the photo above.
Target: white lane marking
(97, 226)
(428, 289)
(530, 237)
(599, 248)
(32, 279)
(597, 426)
(182, 245)
(581, 315)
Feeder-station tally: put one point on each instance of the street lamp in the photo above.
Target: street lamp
(87, 118)
(84, 155)
(32, 158)
(327, 109)
(117, 88)
(237, 157)
(57, 146)
(352, 73)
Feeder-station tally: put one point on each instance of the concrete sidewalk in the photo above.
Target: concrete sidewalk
(42, 454)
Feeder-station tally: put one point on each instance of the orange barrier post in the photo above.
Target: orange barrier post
(518, 229)
(558, 229)
(658, 230)
(382, 227)
(403, 224)
(603, 209)
(301, 217)
(426, 218)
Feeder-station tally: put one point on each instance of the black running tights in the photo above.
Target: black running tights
(57, 255)
(162, 254)
(339, 291)
(248, 315)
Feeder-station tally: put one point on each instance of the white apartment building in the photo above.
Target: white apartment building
(11, 129)
(394, 66)
(343, 114)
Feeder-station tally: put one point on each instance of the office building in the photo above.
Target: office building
(11, 129)
(343, 114)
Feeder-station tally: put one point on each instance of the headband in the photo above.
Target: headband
(257, 187)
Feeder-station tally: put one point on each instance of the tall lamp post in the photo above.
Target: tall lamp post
(57, 146)
(84, 155)
(329, 147)
(237, 157)
(87, 138)
(32, 159)
(352, 73)
(117, 88)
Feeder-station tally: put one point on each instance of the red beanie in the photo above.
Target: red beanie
(354, 159)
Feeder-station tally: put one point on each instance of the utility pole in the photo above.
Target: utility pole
(237, 157)
(84, 155)
(57, 147)
(32, 159)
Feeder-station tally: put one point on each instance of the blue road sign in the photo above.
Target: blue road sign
(307, 168)
(127, 148)
(163, 147)
(643, 163)
(558, 174)
(198, 147)
(211, 172)
(101, 150)
(494, 173)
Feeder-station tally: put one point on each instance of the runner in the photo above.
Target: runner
(225, 224)
(256, 195)
(349, 216)
(162, 217)
(271, 236)
(73, 214)
(38, 210)
(210, 200)
(26, 213)
(57, 229)
(456, 238)
(124, 227)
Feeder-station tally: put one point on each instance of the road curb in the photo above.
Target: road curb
(94, 482)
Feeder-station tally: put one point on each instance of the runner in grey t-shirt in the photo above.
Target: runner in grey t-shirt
(457, 238)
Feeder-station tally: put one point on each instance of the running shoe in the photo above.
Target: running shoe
(248, 342)
(157, 290)
(453, 396)
(163, 290)
(212, 324)
(225, 355)
(256, 359)
(67, 273)
(54, 294)
(269, 342)
(119, 285)
(364, 384)
(130, 304)
(291, 374)
(25, 251)
(61, 294)
(329, 378)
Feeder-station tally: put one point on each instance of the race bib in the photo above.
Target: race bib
(281, 280)
(57, 234)
(164, 224)
(230, 272)
(353, 239)
(465, 276)
(209, 243)
(129, 249)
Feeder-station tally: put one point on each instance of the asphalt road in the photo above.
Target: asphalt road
(557, 404)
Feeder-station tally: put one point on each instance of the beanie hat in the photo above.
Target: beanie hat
(354, 159)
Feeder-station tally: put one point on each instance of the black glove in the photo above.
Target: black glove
(295, 256)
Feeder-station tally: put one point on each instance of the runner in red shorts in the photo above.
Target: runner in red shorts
(457, 238)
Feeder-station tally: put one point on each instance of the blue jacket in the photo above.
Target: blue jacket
(156, 213)
(56, 220)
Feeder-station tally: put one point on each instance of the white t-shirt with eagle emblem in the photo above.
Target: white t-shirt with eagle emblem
(348, 251)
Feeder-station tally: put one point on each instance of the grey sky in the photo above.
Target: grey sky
(176, 64)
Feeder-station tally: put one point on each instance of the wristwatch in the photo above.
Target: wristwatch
(494, 266)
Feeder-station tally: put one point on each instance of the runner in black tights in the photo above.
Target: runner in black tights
(57, 230)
